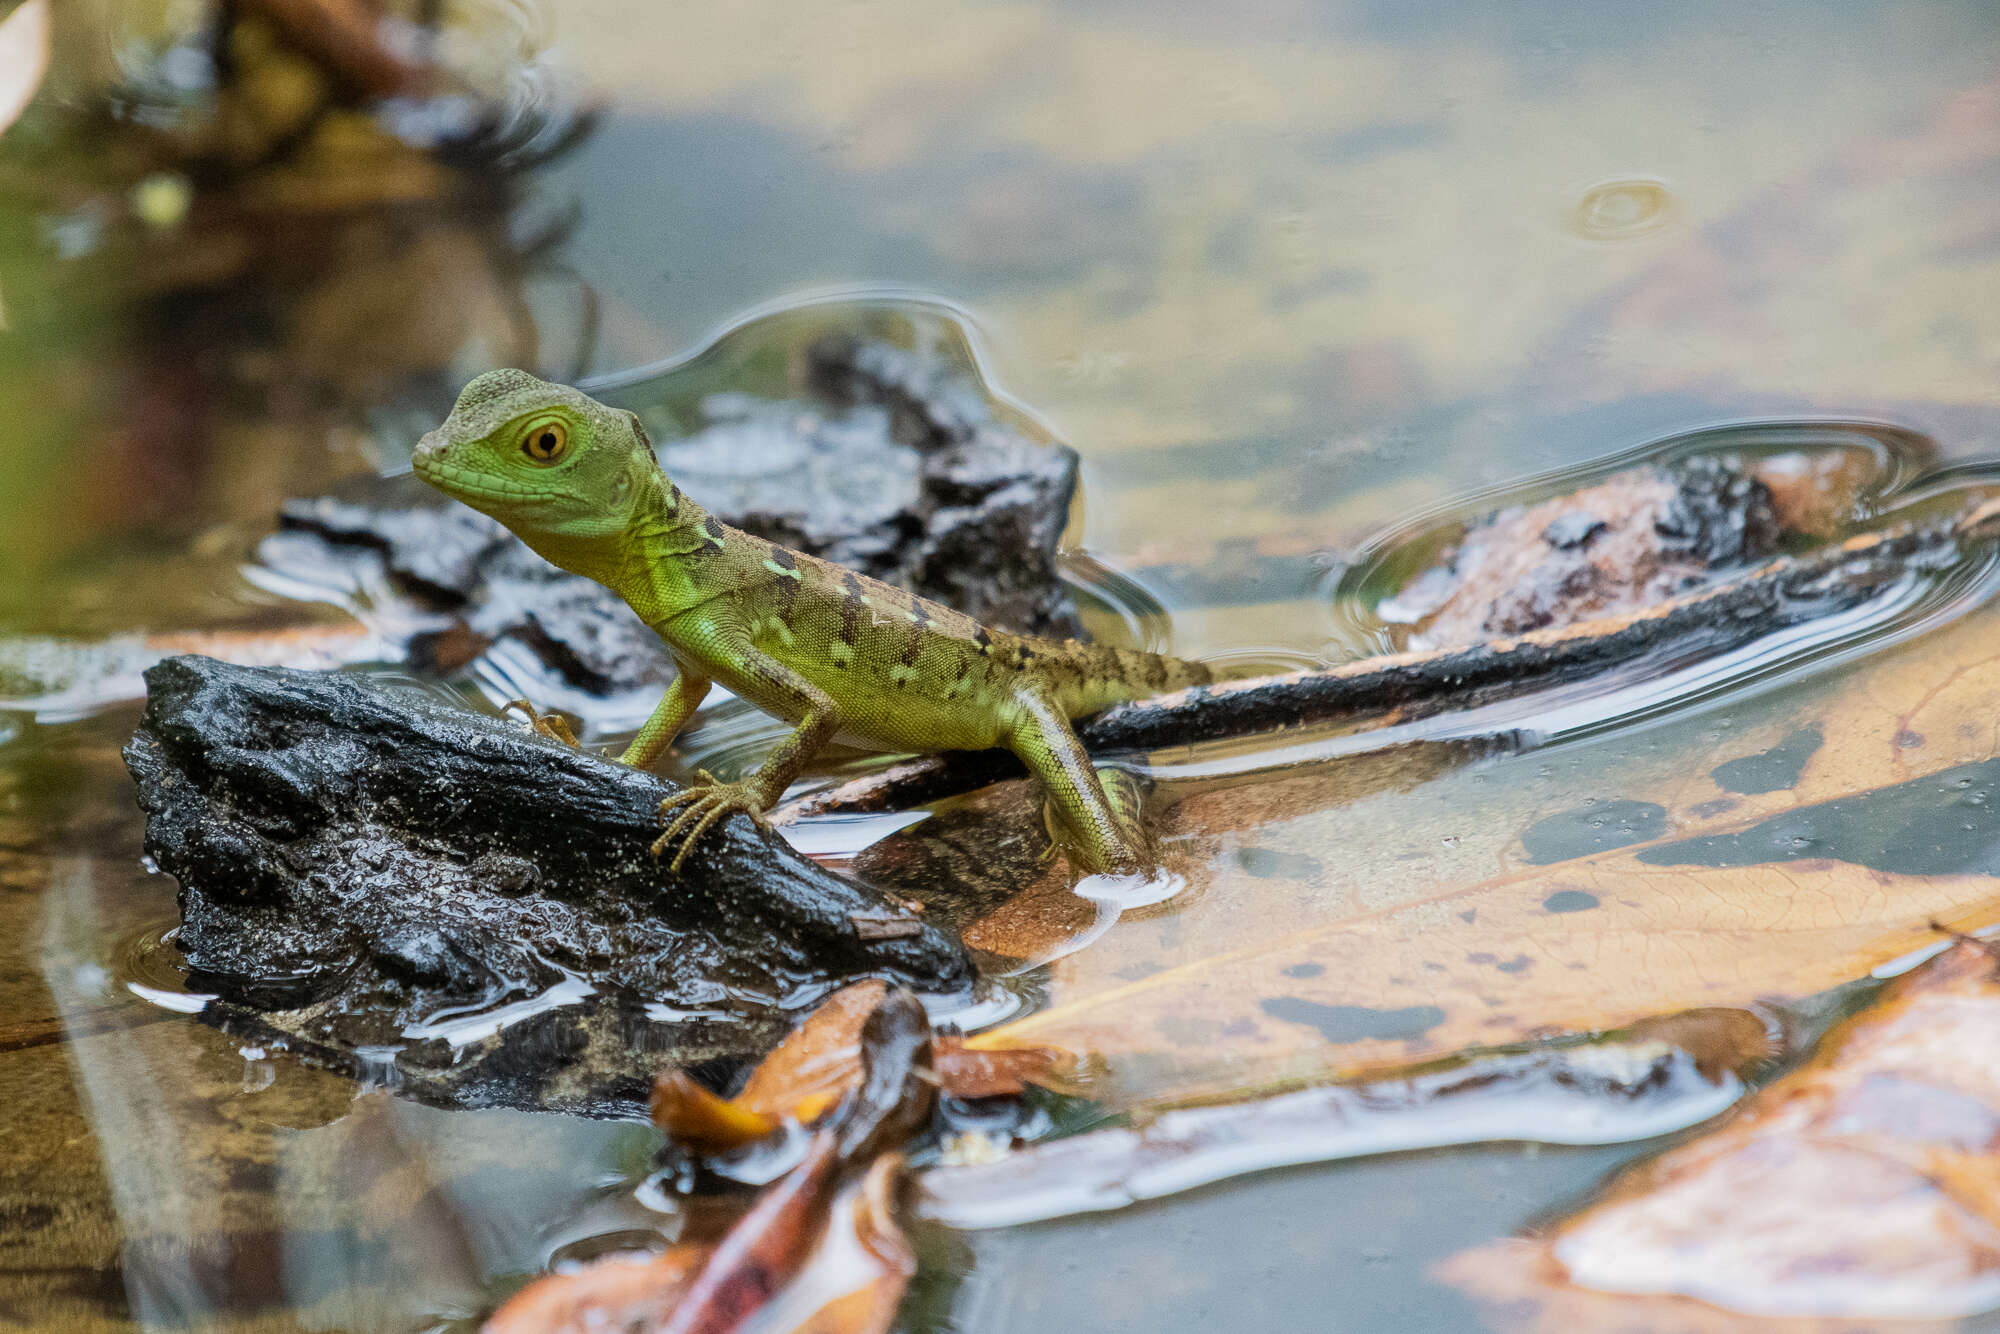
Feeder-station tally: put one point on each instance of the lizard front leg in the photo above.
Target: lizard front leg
(702, 803)
(1099, 838)
(683, 697)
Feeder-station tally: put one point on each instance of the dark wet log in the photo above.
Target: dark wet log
(1401, 687)
(392, 884)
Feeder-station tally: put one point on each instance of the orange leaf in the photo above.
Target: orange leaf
(704, 1121)
(615, 1293)
(821, 1057)
(1457, 908)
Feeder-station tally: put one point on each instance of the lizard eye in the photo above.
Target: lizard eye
(546, 442)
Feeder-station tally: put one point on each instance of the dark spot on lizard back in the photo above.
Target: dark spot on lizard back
(850, 607)
(920, 619)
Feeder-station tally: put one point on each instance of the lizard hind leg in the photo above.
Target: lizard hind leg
(1125, 794)
(1100, 832)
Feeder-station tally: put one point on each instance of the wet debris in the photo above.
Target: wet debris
(820, 1250)
(891, 461)
(1862, 1187)
(1635, 540)
(815, 1067)
(442, 901)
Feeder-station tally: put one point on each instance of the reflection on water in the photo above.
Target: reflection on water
(1294, 283)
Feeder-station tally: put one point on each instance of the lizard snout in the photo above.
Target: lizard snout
(431, 448)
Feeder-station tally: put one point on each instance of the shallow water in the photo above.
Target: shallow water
(1296, 282)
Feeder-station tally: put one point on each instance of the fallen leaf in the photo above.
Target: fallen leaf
(808, 1073)
(1451, 908)
(1001, 1072)
(1864, 1186)
(618, 1293)
(781, 1262)
(850, 1281)
(703, 1120)
(818, 1061)
(764, 1250)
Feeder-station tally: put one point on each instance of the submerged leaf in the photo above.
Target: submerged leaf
(1863, 1186)
(994, 1073)
(1692, 880)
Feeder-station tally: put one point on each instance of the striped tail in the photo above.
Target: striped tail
(1089, 677)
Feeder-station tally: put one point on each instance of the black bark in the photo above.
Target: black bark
(377, 876)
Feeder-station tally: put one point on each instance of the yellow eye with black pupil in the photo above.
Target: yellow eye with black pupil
(545, 442)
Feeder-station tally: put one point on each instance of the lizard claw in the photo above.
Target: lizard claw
(551, 725)
(701, 804)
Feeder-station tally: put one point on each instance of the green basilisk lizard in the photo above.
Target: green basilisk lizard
(836, 653)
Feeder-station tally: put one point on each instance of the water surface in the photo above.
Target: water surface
(1285, 277)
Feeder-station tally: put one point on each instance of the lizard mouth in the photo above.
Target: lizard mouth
(471, 485)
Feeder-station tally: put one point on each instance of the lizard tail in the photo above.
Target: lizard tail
(1089, 677)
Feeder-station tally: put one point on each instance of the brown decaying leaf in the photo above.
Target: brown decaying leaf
(763, 1251)
(994, 1073)
(814, 1067)
(782, 1254)
(1863, 1187)
(612, 1296)
(820, 1058)
(853, 1270)
(1414, 959)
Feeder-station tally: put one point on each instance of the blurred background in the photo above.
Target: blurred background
(1275, 272)
(1284, 275)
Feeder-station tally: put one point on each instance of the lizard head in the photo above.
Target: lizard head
(560, 469)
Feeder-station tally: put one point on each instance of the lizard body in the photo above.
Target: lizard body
(838, 654)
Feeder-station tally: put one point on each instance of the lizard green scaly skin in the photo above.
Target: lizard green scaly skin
(834, 652)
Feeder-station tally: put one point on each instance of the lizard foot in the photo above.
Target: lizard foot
(701, 804)
(551, 725)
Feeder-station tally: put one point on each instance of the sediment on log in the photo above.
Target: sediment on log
(370, 875)
(1402, 687)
